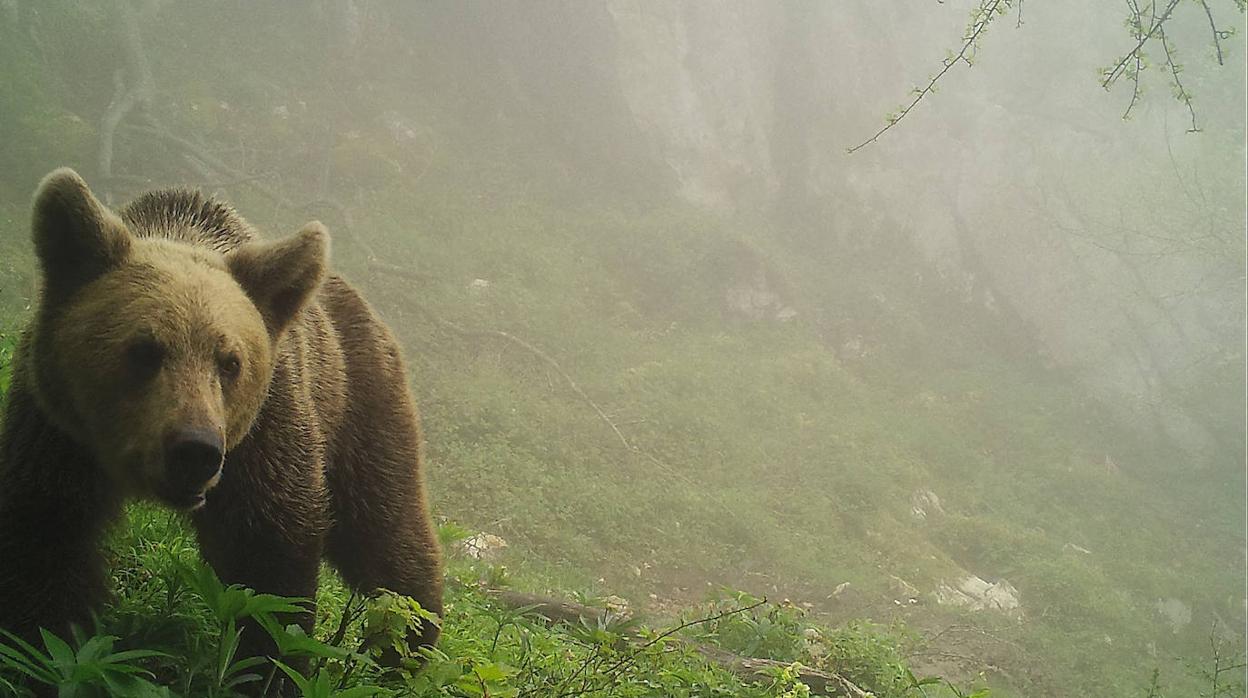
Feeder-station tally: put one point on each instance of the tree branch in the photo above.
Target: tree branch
(979, 22)
(1181, 92)
(1112, 75)
(1137, 26)
(1217, 34)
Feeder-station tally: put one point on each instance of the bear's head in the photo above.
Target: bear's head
(154, 354)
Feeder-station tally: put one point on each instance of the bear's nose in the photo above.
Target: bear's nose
(193, 456)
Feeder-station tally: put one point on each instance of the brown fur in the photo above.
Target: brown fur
(171, 317)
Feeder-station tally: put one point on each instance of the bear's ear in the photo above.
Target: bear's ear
(281, 276)
(76, 237)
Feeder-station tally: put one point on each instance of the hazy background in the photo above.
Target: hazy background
(668, 335)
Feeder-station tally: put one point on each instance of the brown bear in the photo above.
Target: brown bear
(176, 357)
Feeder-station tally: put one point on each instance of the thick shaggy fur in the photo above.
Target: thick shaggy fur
(173, 316)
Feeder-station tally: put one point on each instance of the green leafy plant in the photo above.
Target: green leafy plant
(389, 619)
(769, 631)
(321, 685)
(229, 605)
(93, 669)
(451, 533)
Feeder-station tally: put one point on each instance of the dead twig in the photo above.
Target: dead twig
(547, 359)
(379, 266)
(687, 624)
(745, 668)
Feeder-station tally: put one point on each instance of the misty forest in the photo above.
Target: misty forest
(813, 348)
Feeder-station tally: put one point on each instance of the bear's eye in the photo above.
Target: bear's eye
(145, 357)
(230, 366)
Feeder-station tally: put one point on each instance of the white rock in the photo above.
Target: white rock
(1176, 613)
(1001, 596)
(976, 594)
(484, 546)
(924, 502)
(616, 604)
(901, 587)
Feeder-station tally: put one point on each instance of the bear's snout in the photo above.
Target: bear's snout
(193, 459)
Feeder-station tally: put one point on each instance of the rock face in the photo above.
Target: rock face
(1005, 187)
(751, 104)
(698, 80)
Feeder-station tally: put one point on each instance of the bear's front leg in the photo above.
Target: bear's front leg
(264, 527)
(52, 571)
(262, 558)
(54, 510)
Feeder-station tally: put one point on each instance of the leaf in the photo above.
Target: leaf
(228, 647)
(240, 666)
(303, 684)
(265, 604)
(493, 672)
(291, 640)
(128, 655)
(361, 692)
(60, 652)
(26, 660)
(92, 649)
(132, 687)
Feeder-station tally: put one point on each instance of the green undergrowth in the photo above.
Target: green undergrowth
(173, 629)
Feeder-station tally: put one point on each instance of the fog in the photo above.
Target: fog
(979, 381)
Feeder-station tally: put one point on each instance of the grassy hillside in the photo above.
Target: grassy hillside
(756, 458)
(593, 392)
(752, 456)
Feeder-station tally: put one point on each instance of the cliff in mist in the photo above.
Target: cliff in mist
(1115, 245)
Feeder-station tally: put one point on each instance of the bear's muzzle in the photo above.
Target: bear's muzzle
(193, 459)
